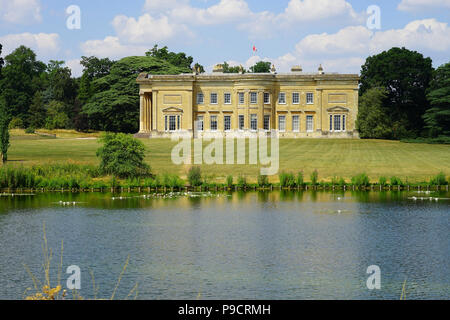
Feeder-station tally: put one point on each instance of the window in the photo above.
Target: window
(331, 122)
(310, 123)
(295, 98)
(227, 98)
(254, 122)
(213, 123)
(213, 98)
(241, 98)
(343, 122)
(200, 123)
(267, 122)
(227, 123)
(253, 97)
(266, 98)
(295, 123)
(282, 98)
(310, 98)
(172, 123)
(337, 123)
(200, 98)
(282, 123)
(241, 122)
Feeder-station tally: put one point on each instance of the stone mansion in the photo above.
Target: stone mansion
(294, 105)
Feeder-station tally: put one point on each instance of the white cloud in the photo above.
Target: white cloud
(147, 29)
(257, 24)
(346, 50)
(20, 11)
(111, 47)
(43, 44)
(419, 5)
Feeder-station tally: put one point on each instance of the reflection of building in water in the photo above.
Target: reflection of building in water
(294, 104)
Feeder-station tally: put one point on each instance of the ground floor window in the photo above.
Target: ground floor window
(227, 123)
(254, 122)
(267, 122)
(296, 123)
(172, 123)
(282, 123)
(309, 123)
(213, 123)
(200, 123)
(337, 122)
(241, 122)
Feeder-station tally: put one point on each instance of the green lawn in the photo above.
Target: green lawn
(342, 158)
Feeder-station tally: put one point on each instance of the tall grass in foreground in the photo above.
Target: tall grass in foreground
(81, 177)
(44, 290)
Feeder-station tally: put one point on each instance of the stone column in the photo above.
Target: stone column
(141, 113)
(149, 112)
(154, 111)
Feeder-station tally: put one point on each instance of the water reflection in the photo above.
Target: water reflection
(234, 245)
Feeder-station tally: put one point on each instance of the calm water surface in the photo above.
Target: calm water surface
(278, 245)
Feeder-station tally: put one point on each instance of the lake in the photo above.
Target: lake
(254, 245)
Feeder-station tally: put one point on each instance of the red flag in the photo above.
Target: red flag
(254, 49)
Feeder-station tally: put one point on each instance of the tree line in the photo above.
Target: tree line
(401, 95)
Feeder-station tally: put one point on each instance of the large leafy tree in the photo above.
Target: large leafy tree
(228, 69)
(406, 75)
(372, 121)
(20, 80)
(261, 67)
(115, 105)
(437, 118)
(177, 59)
(93, 69)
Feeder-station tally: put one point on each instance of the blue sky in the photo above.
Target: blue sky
(333, 33)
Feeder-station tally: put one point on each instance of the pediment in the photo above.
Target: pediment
(338, 109)
(172, 109)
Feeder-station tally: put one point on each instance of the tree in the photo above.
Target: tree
(122, 155)
(261, 67)
(5, 119)
(56, 116)
(406, 75)
(177, 59)
(372, 121)
(21, 79)
(37, 112)
(199, 67)
(228, 69)
(115, 105)
(96, 68)
(437, 118)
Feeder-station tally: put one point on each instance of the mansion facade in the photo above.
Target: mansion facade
(294, 105)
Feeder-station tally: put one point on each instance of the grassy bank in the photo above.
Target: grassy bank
(415, 163)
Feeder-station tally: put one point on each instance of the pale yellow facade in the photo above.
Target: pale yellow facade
(294, 105)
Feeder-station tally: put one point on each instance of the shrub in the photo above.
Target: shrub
(361, 180)
(263, 180)
(287, 180)
(382, 181)
(29, 130)
(16, 123)
(395, 181)
(342, 182)
(230, 181)
(314, 177)
(195, 176)
(439, 180)
(122, 155)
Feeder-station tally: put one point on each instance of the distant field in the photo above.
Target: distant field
(341, 158)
